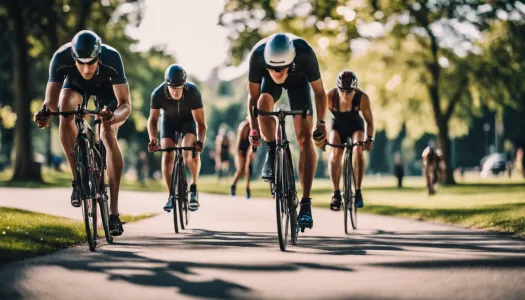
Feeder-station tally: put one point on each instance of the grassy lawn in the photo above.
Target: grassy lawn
(496, 203)
(25, 234)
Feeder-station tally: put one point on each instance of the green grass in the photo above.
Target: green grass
(505, 218)
(135, 218)
(63, 179)
(496, 203)
(25, 234)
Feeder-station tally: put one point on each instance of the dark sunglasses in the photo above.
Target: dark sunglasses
(346, 91)
(277, 69)
(177, 87)
(80, 62)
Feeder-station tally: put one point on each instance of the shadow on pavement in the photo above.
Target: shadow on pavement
(130, 263)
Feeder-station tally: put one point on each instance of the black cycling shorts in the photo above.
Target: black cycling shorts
(298, 89)
(104, 94)
(174, 130)
(347, 129)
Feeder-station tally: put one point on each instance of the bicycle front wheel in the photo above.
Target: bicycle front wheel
(102, 191)
(281, 201)
(289, 185)
(182, 200)
(350, 209)
(175, 194)
(346, 189)
(89, 208)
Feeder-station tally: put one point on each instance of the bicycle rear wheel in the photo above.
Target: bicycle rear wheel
(281, 201)
(89, 208)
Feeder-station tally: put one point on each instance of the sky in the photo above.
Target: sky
(189, 30)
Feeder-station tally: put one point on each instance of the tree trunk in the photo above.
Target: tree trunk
(25, 168)
(445, 145)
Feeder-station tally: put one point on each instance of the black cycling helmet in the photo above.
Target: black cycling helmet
(86, 47)
(175, 76)
(346, 80)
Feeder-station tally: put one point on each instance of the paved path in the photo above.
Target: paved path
(231, 251)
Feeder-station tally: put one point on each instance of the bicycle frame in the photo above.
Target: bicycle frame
(283, 183)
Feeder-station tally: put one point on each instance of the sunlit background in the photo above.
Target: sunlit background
(434, 71)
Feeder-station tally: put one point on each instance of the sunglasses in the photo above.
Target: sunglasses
(86, 61)
(346, 91)
(176, 87)
(277, 69)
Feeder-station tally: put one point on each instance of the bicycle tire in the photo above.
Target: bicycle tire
(103, 191)
(351, 207)
(173, 193)
(88, 209)
(346, 192)
(291, 196)
(183, 194)
(280, 201)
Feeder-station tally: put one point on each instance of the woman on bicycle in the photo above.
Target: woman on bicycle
(222, 153)
(244, 157)
(345, 102)
(182, 118)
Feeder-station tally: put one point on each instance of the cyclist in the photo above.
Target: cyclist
(432, 164)
(178, 104)
(244, 157)
(222, 153)
(78, 70)
(286, 61)
(345, 102)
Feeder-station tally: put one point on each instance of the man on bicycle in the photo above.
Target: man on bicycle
(78, 70)
(182, 118)
(432, 165)
(345, 102)
(286, 61)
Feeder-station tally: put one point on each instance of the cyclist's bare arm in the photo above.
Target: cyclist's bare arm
(367, 115)
(124, 104)
(52, 95)
(254, 91)
(153, 120)
(198, 116)
(329, 95)
(320, 98)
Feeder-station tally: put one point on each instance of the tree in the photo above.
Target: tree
(54, 23)
(421, 56)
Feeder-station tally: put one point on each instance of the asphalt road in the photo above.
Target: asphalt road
(231, 251)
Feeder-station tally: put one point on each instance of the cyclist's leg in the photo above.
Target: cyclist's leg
(240, 161)
(114, 158)
(247, 165)
(70, 97)
(270, 93)
(336, 157)
(359, 158)
(189, 137)
(299, 95)
(167, 139)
